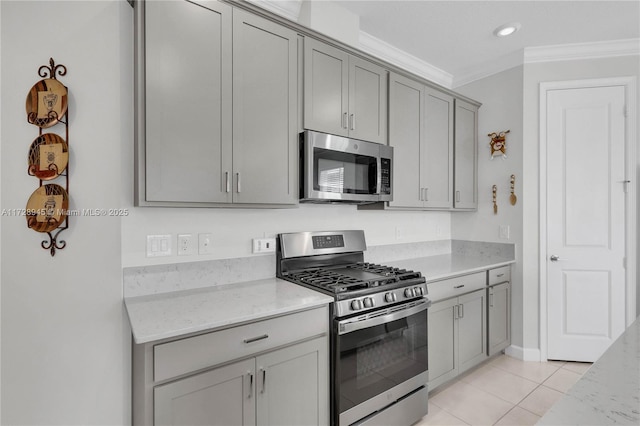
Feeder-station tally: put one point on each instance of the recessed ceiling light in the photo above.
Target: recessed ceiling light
(506, 29)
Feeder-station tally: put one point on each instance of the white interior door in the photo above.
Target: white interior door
(585, 221)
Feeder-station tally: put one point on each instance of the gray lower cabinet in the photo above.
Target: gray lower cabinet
(269, 372)
(465, 156)
(216, 106)
(457, 336)
(283, 387)
(343, 94)
(499, 307)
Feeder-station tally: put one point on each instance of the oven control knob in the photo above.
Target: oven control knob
(368, 302)
(390, 297)
(356, 305)
(418, 291)
(408, 292)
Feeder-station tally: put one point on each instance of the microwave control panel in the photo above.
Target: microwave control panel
(385, 176)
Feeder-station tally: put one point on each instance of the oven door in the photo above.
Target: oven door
(380, 357)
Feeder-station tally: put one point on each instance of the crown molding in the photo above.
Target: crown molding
(376, 47)
(289, 9)
(595, 50)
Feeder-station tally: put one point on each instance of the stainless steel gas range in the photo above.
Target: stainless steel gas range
(379, 367)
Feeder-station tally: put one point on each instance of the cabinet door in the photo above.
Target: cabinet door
(326, 91)
(472, 329)
(367, 101)
(292, 387)
(499, 317)
(405, 135)
(465, 152)
(265, 85)
(438, 150)
(442, 338)
(221, 397)
(187, 101)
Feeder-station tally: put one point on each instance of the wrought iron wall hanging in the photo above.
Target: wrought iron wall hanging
(47, 107)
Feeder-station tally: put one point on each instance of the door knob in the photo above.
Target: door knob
(554, 258)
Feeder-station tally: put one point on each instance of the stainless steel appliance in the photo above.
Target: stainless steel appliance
(337, 169)
(379, 368)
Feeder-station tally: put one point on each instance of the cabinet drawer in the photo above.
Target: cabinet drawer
(499, 275)
(195, 353)
(445, 289)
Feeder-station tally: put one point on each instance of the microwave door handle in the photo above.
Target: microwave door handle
(349, 326)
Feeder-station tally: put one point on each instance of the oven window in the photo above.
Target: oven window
(375, 359)
(344, 173)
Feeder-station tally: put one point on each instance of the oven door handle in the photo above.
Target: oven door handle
(350, 325)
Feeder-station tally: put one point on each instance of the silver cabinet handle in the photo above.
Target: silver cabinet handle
(426, 194)
(227, 184)
(461, 310)
(238, 182)
(255, 339)
(457, 196)
(250, 377)
(264, 379)
(491, 300)
(500, 275)
(554, 258)
(352, 121)
(458, 286)
(344, 120)
(456, 312)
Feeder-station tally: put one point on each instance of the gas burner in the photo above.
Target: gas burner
(328, 279)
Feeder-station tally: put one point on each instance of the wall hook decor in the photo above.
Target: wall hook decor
(494, 190)
(47, 208)
(498, 143)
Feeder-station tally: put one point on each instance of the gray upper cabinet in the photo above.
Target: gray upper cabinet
(343, 94)
(434, 140)
(465, 156)
(438, 150)
(217, 122)
(264, 111)
(187, 109)
(405, 135)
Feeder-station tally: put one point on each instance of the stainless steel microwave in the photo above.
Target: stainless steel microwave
(338, 169)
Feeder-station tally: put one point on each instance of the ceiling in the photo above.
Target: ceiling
(457, 36)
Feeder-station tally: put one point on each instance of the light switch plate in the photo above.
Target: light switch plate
(205, 243)
(158, 245)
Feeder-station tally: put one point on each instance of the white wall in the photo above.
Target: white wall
(233, 229)
(65, 337)
(501, 97)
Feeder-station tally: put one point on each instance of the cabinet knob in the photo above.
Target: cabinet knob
(554, 258)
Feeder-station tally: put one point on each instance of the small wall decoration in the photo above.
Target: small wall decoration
(513, 199)
(47, 208)
(494, 190)
(498, 143)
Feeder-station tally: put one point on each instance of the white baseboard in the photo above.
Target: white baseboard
(525, 354)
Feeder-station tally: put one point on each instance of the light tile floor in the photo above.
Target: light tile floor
(502, 391)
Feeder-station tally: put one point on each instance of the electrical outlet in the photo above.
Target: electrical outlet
(264, 245)
(185, 245)
(205, 243)
(158, 245)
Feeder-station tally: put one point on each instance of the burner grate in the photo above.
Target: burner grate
(334, 281)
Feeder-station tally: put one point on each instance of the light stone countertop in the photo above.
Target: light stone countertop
(435, 268)
(172, 314)
(609, 392)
